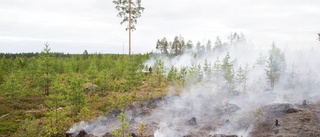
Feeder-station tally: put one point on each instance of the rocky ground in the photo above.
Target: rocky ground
(277, 119)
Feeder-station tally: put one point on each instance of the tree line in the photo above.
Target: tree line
(179, 45)
(222, 71)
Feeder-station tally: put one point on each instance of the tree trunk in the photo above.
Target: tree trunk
(130, 12)
(272, 84)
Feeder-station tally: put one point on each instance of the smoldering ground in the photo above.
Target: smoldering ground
(206, 106)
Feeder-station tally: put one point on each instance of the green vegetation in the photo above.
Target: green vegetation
(275, 65)
(142, 129)
(222, 72)
(228, 72)
(122, 130)
(44, 94)
(178, 46)
(258, 115)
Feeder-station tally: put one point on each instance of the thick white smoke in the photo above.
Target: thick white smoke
(206, 107)
(299, 81)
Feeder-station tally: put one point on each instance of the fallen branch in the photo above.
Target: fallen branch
(4, 115)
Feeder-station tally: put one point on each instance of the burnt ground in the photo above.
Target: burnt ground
(293, 120)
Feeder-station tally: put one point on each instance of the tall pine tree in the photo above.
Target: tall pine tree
(130, 11)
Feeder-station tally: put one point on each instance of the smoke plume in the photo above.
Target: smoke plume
(208, 105)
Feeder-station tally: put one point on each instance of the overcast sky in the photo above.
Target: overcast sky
(72, 26)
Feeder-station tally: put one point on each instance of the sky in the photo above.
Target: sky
(72, 26)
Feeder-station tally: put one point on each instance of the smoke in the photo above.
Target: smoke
(299, 81)
(98, 126)
(207, 105)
